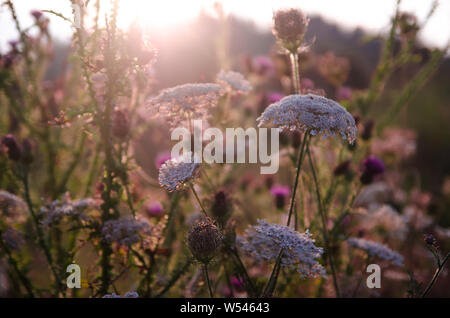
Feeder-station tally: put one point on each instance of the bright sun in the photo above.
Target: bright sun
(160, 13)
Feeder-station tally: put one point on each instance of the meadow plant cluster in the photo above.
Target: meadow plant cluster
(74, 188)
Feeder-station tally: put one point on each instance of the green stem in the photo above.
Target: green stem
(205, 270)
(198, 199)
(324, 225)
(435, 276)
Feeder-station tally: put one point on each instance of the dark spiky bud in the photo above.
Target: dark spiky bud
(203, 240)
(343, 168)
(289, 27)
(12, 147)
(366, 134)
(221, 207)
(27, 151)
(430, 240)
(121, 124)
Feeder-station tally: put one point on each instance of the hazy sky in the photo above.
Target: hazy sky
(372, 15)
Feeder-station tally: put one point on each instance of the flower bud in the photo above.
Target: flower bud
(13, 148)
(366, 134)
(372, 167)
(221, 206)
(289, 27)
(27, 151)
(280, 194)
(430, 240)
(155, 209)
(121, 124)
(203, 240)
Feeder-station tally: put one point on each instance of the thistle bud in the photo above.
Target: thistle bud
(280, 193)
(371, 167)
(13, 148)
(289, 27)
(430, 240)
(343, 168)
(221, 206)
(366, 134)
(27, 151)
(203, 240)
(121, 124)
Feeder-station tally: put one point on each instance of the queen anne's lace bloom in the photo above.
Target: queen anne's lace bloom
(377, 249)
(56, 210)
(127, 295)
(125, 231)
(317, 114)
(388, 219)
(234, 81)
(186, 102)
(12, 207)
(265, 240)
(174, 173)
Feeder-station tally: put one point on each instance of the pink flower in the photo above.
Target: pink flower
(344, 93)
(161, 158)
(155, 209)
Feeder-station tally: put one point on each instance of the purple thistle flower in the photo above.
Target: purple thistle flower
(155, 209)
(36, 14)
(371, 167)
(344, 93)
(161, 158)
(280, 193)
(274, 97)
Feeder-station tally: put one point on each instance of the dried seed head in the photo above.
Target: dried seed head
(203, 240)
(289, 27)
(27, 151)
(221, 206)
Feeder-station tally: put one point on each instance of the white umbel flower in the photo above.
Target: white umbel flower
(176, 172)
(265, 240)
(12, 207)
(316, 114)
(377, 249)
(186, 102)
(234, 81)
(125, 231)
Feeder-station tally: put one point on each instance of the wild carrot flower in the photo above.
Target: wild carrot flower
(264, 242)
(203, 240)
(185, 102)
(176, 172)
(317, 114)
(386, 218)
(289, 27)
(12, 207)
(56, 210)
(13, 238)
(127, 295)
(125, 231)
(234, 82)
(376, 249)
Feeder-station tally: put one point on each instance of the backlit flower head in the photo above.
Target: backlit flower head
(377, 249)
(176, 172)
(234, 81)
(186, 102)
(125, 231)
(58, 209)
(316, 114)
(265, 240)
